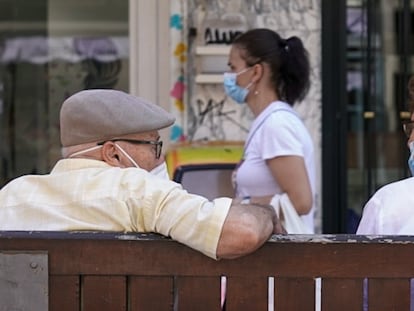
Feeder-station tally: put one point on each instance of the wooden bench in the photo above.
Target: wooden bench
(86, 271)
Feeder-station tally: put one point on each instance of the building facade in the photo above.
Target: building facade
(174, 52)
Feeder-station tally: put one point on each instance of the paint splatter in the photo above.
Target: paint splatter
(180, 52)
(178, 89)
(177, 133)
(176, 22)
(179, 104)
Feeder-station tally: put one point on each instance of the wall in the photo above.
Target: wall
(202, 110)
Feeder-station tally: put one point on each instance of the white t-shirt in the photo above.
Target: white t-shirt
(390, 210)
(277, 131)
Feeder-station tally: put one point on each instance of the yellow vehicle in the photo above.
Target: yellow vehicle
(205, 168)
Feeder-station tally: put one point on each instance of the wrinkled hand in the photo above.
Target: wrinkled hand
(277, 226)
(264, 201)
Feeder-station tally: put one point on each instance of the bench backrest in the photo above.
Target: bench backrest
(114, 271)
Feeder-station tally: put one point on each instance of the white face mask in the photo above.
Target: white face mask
(127, 155)
(84, 151)
(161, 171)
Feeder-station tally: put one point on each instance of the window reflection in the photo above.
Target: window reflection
(48, 51)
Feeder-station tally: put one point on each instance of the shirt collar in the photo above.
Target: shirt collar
(77, 164)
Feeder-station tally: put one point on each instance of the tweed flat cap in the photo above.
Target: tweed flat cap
(97, 115)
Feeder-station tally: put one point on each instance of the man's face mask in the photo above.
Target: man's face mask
(84, 151)
(232, 89)
(127, 155)
(161, 171)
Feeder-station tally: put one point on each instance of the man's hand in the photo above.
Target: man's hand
(246, 228)
(277, 225)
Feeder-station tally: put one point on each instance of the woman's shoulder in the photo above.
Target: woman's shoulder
(280, 110)
(283, 115)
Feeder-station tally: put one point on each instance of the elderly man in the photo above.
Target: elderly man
(112, 178)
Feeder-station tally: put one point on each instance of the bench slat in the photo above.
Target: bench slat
(151, 293)
(143, 257)
(103, 293)
(351, 294)
(64, 293)
(246, 294)
(295, 294)
(389, 294)
(198, 293)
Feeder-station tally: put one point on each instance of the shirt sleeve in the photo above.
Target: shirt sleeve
(280, 136)
(187, 218)
(371, 217)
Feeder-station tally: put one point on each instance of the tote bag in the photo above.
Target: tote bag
(288, 216)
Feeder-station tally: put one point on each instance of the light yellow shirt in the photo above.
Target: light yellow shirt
(82, 194)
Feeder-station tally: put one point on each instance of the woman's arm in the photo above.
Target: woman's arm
(291, 175)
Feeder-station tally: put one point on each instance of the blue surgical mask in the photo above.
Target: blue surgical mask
(234, 91)
(411, 158)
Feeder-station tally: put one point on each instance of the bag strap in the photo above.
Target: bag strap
(250, 137)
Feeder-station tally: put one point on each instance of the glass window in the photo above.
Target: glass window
(48, 51)
(379, 64)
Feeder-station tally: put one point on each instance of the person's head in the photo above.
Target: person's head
(282, 64)
(408, 126)
(113, 126)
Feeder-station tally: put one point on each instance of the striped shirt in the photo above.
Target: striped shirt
(84, 194)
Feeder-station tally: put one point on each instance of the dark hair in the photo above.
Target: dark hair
(288, 60)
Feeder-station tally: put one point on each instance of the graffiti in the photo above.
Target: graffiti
(281, 6)
(217, 36)
(210, 114)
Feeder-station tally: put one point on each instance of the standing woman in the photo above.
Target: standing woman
(271, 74)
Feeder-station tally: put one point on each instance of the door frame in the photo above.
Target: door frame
(334, 117)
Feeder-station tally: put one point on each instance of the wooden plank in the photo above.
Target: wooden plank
(106, 262)
(282, 258)
(103, 293)
(198, 293)
(342, 292)
(388, 294)
(150, 293)
(246, 294)
(295, 294)
(64, 293)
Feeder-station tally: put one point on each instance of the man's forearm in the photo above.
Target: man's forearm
(246, 228)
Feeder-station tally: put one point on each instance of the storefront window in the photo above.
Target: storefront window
(379, 65)
(48, 51)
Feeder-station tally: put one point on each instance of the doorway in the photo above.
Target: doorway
(365, 102)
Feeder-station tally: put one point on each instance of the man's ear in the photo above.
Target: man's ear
(110, 154)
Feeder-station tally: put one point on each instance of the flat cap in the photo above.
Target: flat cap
(102, 114)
